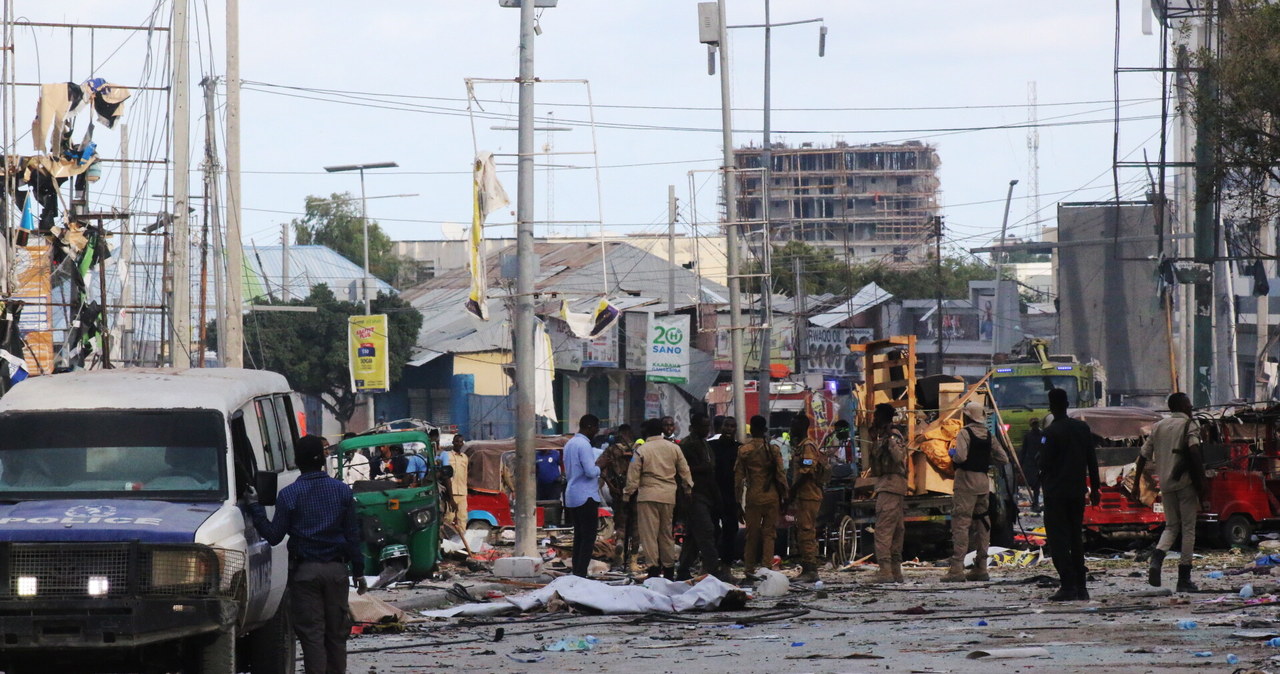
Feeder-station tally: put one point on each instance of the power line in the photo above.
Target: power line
(694, 108)
(454, 112)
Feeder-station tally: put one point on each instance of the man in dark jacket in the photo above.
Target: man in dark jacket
(1029, 457)
(318, 514)
(1066, 458)
(700, 522)
(725, 450)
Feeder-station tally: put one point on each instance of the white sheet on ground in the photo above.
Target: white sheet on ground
(657, 594)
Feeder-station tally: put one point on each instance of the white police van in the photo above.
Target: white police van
(121, 541)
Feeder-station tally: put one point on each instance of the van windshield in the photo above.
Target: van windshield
(1032, 392)
(148, 454)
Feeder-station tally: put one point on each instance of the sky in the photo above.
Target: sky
(330, 83)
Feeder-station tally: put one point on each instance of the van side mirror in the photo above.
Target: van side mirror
(267, 485)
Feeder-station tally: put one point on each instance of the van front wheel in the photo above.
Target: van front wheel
(215, 653)
(272, 648)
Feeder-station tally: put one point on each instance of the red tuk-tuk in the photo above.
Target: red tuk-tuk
(1119, 432)
(1242, 462)
(490, 487)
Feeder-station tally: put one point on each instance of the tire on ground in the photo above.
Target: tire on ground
(272, 648)
(213, 653)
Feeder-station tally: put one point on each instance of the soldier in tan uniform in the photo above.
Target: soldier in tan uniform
(760, 481)
(458, 483)
(809, 474)
(655, 467)
(888, 463)
(974, 452)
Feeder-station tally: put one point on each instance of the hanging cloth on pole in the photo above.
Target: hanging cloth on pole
(544, 402)
(487, 197)
(590, 326)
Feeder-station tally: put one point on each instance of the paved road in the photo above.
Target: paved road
(809, 631)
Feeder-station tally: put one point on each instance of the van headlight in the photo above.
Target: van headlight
(422, 517)
(183, 569)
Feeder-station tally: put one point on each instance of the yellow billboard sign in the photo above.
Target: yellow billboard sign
(367, 348)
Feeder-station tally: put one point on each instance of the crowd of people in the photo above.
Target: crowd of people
(709, 486)
(714, 486)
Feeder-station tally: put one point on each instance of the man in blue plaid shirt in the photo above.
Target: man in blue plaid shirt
(318, 514)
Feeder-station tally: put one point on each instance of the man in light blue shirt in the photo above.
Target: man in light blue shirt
(582, 493)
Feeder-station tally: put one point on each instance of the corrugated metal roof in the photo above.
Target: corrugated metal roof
(569, 271)
(871, 295)
(310, 266)
(575, 269)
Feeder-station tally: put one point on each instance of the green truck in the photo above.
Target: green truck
(1021, 389)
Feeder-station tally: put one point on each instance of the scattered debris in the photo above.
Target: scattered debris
(826, 656)
(772, 584)
(566, 644)
(1009, 653)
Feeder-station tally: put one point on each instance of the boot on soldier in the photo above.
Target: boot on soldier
(1153, 570)
(955, 574)
(896, 566)
(808, 574)
(979, 571)
(885, 574)
(1184, 579)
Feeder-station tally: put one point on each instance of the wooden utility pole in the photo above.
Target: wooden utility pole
(937, 265)
(801, 315)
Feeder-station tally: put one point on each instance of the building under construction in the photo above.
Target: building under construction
(868, 202)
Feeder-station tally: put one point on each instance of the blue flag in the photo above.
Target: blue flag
(28, 218)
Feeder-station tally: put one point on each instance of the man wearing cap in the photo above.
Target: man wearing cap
(973, 453)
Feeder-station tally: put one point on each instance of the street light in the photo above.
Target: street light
(364, 218)
(999, 260)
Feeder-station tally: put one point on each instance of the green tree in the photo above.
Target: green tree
(822, 272)
(310, 349)
(335, 222)
(1236, 103)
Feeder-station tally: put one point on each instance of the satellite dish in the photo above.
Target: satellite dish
(453, 231)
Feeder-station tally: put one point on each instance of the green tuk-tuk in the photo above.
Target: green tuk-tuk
(399, 526)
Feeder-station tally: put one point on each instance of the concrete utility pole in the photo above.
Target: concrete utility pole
(714, 30)
(180, 262)
(1204, 247)
(525, 513)
(213, 223)
(671, 249)
(766, 164)
(999, 260)
(123, 270)
(766, 241)
(284, 262)
(232, 349)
